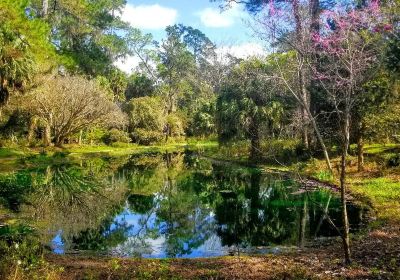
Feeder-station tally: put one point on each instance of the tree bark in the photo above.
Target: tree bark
(300, 73)
(360, 147)
(320, 140)
(47, 135)
(303, 224)
(255, 153)
(32, 128)
(345, 220)
(45, 8)
(314, 15)
(80, 137)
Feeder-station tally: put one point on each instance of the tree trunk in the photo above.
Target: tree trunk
(304, 117)
(303, 224)
(345, 220)
(59, 141)
(80, 137)
(360, 147)
(300, 72)
(255, 153)
(45, 8)
(321, 141)
(314, 15)
(32, 128)
(47, 135)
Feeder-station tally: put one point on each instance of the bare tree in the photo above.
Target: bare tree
(72, 103)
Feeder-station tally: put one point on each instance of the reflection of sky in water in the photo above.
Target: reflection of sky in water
(57, 245)
(138, 227)
(138, 244)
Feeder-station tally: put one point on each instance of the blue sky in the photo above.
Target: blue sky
(153, 15)
(228, 29)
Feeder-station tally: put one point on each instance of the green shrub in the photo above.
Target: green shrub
(22, 255)
(116, 136)
(94, 135)
(146, 137)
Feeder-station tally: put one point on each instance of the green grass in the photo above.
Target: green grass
(11, 152)
(384, 194)
(122, 149)
(374, 149)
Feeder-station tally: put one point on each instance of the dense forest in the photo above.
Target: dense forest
(327, 85)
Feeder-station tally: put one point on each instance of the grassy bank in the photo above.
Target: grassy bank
(117, 149)
(12, 158)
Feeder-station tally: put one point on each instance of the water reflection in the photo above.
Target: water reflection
(168, 205)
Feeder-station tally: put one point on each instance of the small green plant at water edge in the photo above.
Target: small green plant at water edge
(25, 261)
(324, 175)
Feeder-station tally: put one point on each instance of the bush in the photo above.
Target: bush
(146, 120)
(146, 137)
(94, 135)
(176, 125)
(22, 255)
(116, 135)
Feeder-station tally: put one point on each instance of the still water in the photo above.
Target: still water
(160, 205)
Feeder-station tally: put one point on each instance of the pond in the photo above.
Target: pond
(161, 205)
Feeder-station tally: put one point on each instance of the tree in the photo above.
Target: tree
(287, 24)
(247, 101)
(87, 34)
(23, 47)
(177, 63)
(143, 47)
(72, 103)
(139, 85)
(146, 119)
(349, 44)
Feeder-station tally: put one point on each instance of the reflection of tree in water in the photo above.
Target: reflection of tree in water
(251, 216)
(259, 209)
(174, 216)
(14, 188)
(168, 204)
(72, 198)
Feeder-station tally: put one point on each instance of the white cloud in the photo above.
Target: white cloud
(244, 50)
(149, 16)
(212, 17)
(128, 64)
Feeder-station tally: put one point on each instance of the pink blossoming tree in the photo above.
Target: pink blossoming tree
(348, 45)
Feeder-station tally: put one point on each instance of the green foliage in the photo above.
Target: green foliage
(88, 33)
(115, 135)
(22, 255)
(146, 137)
(145, 119)
(23, 46)
(202, 121)
(176, 125)
(139, 86)
(94, 135)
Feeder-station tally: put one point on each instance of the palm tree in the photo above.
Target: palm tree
(16, 63)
